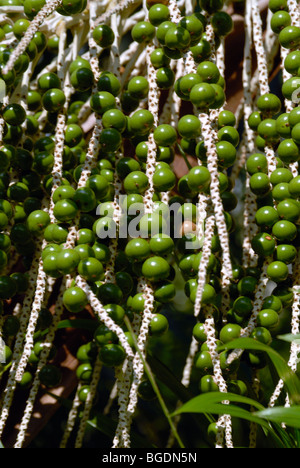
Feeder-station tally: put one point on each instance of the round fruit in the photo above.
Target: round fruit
(112, 354)
(156, 268)
(75, 299)
(103, 35)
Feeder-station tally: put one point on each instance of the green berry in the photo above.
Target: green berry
(292, 62)
(37, 221)
(54, 100)
(103, 35)
(65, 210)
(267, 318)
(138, 87)
(269, 104)
(112, 354)
(50, 376)
(266, 217)
(264, 244)
(158, 13)
(177, 38)
(75, 299)
(280, 20)
(199, 178)
(141, 122)
(284, 230)
(137, 249)
(82, 78)
(143, 31)
(230, 332)
(67, 261)
(159, 325)
(189, 126)
(165, 135)
(165, 77)
(289, 37)
(91, 269)
(109, 82)
(14, 114)
(286, 253)
(156, 268)
(277, 271)
(202, 95)
(136, 182)
(222, 23)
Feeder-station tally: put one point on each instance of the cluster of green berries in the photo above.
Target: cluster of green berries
(176, 39)
(277, 196)
(281, 24)
(277, 218)
(28, 149)
(27, 162)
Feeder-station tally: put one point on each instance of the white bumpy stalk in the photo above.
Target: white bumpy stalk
(122, 437)
(43, 359)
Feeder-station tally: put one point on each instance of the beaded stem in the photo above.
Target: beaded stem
(262, 71)
(202, 272)
(89, 402)
(57, 170)
(138, 369)
(295, 330)
(104, 316)
(122, 389)
(72, 416)
(225, 421)
(259, 47)
(2, 121)
(42, 362)
(123, 383)
(34, 314)
(250, 227)
(253, 426)
(109, 273)
(153, 99)
(18, 347)
(175, 101)
(212, 165)
(115, 10)
(294, 12)
(137, 364)
(209, 134)
(257, 303)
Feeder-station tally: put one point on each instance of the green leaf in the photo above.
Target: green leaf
(297, 437)
(107, 426)
(280, 414)
(164, 374)
(206, 401)
(2, 90)
(211, 403)
(290, 380)
(61, 400)
(201, 404)
(289, 337)
(83, 324)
